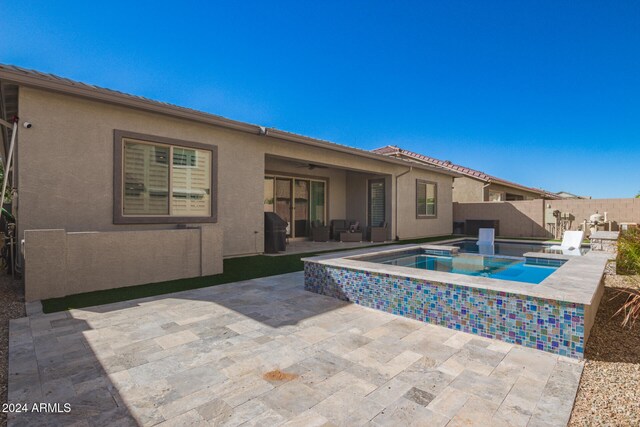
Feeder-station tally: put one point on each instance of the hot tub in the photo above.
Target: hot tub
(551, 311)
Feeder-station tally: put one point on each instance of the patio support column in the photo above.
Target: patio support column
(395, 215)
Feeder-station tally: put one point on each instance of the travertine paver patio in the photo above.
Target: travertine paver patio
(199, 357)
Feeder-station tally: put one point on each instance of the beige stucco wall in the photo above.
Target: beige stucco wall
(411, 227)
(468, 190)
(59, 263)
(65, 167)
(65, 171)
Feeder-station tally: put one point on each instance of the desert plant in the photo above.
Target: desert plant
(631, 308)
(628, 259)
(628, 262)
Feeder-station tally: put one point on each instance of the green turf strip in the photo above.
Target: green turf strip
(235, 270)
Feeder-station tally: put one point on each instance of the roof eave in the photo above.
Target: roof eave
(355, 151)
(112, 97)
(68, 87)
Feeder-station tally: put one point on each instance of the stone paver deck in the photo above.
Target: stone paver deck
(200, 358)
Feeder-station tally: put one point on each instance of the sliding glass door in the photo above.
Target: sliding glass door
(317, 209)
(301, 207)
(297, 201)
(283, 201)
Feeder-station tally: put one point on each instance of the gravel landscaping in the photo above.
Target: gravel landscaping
(609, 392)
(12, 302)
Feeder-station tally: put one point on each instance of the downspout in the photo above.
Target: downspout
(483, 187)
(396, 213)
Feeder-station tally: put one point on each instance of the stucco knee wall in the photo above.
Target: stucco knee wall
(59, 263)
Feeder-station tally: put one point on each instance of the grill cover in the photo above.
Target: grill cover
(275, 233)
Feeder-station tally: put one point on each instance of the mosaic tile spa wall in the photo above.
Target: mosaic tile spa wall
(553, 326)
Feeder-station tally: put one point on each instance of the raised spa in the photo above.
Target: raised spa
(542, 300)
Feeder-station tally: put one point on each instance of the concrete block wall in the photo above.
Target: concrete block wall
(59, 263)
(517, 219)
(526, 218)
(619, 210)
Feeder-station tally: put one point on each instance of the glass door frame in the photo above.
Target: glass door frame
(383, 181)
(293, 178)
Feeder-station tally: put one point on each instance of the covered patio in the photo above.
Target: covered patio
(320, 202)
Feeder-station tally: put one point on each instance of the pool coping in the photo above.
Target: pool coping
(577, 281)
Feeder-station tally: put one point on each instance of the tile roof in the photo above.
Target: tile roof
(22, 76)
(395, 151)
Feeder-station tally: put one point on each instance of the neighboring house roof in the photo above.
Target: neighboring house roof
(395, 151)
(31, 78)
(567, 195)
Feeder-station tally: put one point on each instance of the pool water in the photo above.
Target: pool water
(508, 248)
(494, 267)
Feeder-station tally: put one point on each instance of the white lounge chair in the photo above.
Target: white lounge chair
(571, 242)
(486, 240)
(486, 236)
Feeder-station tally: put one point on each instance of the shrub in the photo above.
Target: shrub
(628, 259)
(631, 308)
(628, 262)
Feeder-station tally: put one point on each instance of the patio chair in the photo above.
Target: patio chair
(377, 233)
(486, 241)
(486, 236)
(319, 232)
(571, 242)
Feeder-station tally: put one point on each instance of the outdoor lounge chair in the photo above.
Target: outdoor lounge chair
(571, 242)
(378, 233)
(486, 236)
(486, 240)
(319, 232)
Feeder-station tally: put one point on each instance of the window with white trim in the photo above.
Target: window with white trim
(426, 199)
(165, 180)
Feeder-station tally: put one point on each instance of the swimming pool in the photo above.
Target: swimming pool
(509, 248)
(495, 267)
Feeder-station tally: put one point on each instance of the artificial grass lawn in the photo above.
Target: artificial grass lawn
(235, 270)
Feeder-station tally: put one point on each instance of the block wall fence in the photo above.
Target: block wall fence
(526, 218)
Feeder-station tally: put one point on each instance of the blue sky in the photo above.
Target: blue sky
(546, 94)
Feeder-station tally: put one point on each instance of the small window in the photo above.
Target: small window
(163, 182)
(495, 196)
(513, 197)
(426, 199)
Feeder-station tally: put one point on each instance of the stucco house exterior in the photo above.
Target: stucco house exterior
(472, 185)
(116, 190)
